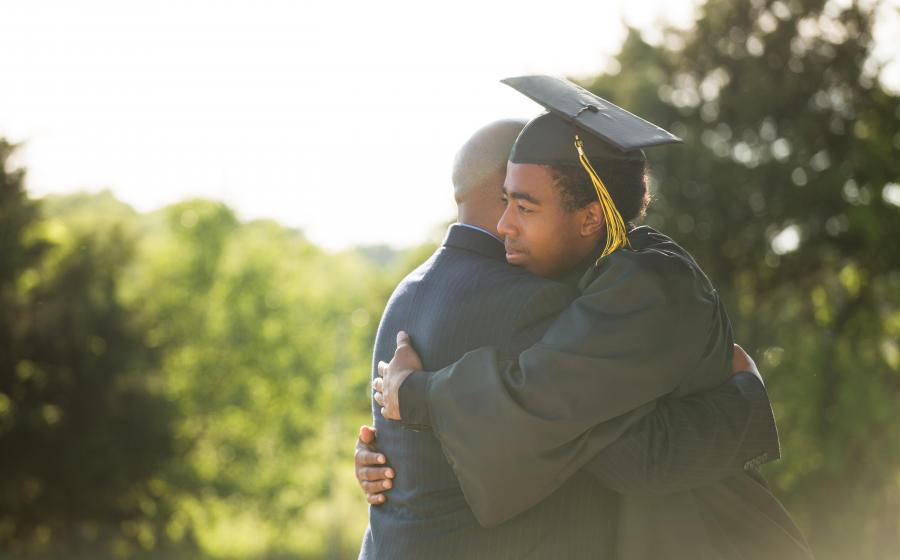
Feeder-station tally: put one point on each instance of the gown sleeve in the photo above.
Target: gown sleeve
(646, 325)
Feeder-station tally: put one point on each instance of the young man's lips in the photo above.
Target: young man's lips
(514, 254)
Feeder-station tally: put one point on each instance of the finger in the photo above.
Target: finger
(375, 474)
(376, 499)
(382, 366)
(378, 384)
(403, 339)
(390, 413)
(379, 398)
(373, 487)
(366, 434)
(377, 486)
(369, 458)
(363, 446)
(740, 361)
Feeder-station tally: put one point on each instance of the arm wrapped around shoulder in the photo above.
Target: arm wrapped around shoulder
(514, 431)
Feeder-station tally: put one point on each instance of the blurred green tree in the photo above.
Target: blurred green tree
(19, 252)
(264, 355)
(266, 344)
(84, 430)
(786, 190)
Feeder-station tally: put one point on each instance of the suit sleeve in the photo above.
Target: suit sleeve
(514, 430)
(690, 441)
(533, 320)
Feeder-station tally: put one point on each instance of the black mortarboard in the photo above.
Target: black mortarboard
(605, 128)
(549, 140)
(580, 127)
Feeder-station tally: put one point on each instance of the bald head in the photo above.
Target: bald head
(479, 170)
(483, 157)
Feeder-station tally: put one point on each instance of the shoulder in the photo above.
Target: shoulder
(468, 278)
(486, 274)
(542, 297)
(407, 286)
(654, 263)
(541, 303)
(511, 292)
(656, 253)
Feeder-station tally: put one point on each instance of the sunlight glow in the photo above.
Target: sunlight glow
(338, 118)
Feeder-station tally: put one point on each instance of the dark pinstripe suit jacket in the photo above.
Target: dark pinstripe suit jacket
(466, 296)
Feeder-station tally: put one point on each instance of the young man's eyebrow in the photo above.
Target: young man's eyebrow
(522, 196)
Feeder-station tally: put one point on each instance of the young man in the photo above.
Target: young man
(647, 325)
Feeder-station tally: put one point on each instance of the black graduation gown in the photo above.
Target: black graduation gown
(648, 324)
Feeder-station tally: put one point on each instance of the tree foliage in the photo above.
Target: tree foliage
(83, 431)
(786, 190)
(179, 382)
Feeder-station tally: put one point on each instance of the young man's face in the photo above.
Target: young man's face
(540, 234)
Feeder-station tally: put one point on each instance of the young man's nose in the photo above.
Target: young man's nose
(505, 226)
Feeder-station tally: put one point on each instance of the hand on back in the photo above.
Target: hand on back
(373, 476)
(741, 361)
(392, 375)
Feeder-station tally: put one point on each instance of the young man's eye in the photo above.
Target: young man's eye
(524, 210)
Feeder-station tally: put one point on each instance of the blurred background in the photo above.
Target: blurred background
(204, 207)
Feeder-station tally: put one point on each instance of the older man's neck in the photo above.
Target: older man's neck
(476, 215)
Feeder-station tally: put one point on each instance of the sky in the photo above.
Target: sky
(338, 118)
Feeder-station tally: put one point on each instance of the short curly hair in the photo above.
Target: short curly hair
(625, 180)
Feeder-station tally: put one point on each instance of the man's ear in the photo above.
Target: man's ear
(593, 219)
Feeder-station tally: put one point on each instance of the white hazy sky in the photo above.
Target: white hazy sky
(341, 118)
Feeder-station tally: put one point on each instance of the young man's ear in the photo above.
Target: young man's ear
(593, 219)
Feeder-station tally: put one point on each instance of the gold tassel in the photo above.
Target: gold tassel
(616, 235)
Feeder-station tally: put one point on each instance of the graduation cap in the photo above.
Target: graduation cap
(580, 125)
